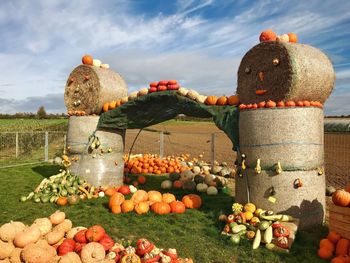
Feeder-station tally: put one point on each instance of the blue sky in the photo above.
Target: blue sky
(200, 43)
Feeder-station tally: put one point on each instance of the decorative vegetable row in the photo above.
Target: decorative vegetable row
(281, 104)
(88, 60)
(163, 85)
(269, 35)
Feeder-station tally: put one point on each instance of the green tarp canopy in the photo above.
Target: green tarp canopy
(158, 107)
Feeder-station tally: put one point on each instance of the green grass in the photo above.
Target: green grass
(26, 125)
(195, 234)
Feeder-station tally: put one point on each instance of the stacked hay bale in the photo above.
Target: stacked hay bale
(289, 177)
(87, 89)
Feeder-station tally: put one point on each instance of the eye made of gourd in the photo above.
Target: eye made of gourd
(275, 61)
(247, 70)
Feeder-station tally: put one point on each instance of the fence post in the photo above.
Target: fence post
(161, 145)
(16, 144)
(212, 148)
(46, 146)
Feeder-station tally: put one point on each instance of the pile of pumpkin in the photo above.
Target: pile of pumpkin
(259, 226)
(89, 60)
(335, 247)
(141, 202)
(341, 197)
(269, 35)
(198, 166)
(163, 85)
(153, 164)
(54, 239)
(61, 189)
(280, 104)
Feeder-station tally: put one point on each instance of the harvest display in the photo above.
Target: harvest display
(335, 248)
(54, 239)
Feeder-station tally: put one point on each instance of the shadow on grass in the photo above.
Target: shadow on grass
(46, 170)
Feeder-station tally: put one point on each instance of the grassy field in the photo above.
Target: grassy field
(26, 125)
(195, 234)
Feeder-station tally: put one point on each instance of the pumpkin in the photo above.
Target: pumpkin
(211, 100)
(177, 184)
(127, 206)
(168, 198)
(186, 175)
(92, 252)
(342, 247)
(65, 226)
(105, 107)
(290, 103)
(38, 253)
(192, 94)
(70, 257)
(73, 199)
(44, 225)
(189, 185)
(6, 249)
(233, 100)
(94, 233)
(177, 207)
(282, 38)
(15, 256)
(326, 243)
(325, 253)
(142, 92)
(292, 37)
(130, 258)
(249, 207)
(154, 196)
(340, 259)
(199, 179)
(125, 190)
(267, 35)
(107, 242)
(222, 101)
(28, 235)
(166, 184)
(202, 187)
(182, 91)
(139, 196)
(201, 99)
(116, 209)
(341, 198)
(96, 63)
(333, 236)
(174, 176)
(141, 179)
(112, 105)
(110, 191)
(80, 236)
(212, 190)
(68, 245)
(192, 201)
(54, 237)
(161, 208)
(116, 199)
(62, 201)
(270, 104)
(132, 95)
(209, 178)
(196, 170)
(124, 100)
(87, 60)
(142, 208)
(9, 230)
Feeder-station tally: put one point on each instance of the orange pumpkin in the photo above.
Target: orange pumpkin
(270, 104)
(87, 60)
(177, 184)
(95, 233)
(233, 100)
(116, 209)
(211, 100)
(116, 199)
(127, 206)
(62, 201)
(333, 236)
(141, 179)
(341, 198)
(105, 107)
(154, 196)
(168, 198)
(325, 253)
(139, 196)
(177, 207)
(192, 201)
(267, 35)
(221, 101)
(326, 243)
(110, 191)
(342, 247)
(339, 259)
(292, 37)
(161, 208)
(142, 208)
(112, 105)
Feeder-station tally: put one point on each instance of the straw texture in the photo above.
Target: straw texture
(306, 203)
(89, 87)
(293, 136)
(303, 73)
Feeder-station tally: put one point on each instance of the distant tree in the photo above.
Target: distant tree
(41, 113)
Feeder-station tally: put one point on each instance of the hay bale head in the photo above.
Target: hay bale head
(284, 71)
(89, 87)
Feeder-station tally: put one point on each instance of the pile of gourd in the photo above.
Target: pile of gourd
(259, 226)
(61, 188)
(54, 239)
(141, 202)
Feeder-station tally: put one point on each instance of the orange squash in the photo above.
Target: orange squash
(116, 209)
(168, 198)
(177, 207)
(127, 206)
(221, 101)
(62, 201)
(341, 198)
(342, 247)
(177, 184)
(110, 191)
(267, 35)
(95, 233)
(154, 196)
(105, 107)
(233, 100)
(192, 201)
(112, 105)
(116, 199)
(161, 208)
(142, 208)
(333, 236)
(211, 100)
(327, 244)
(292, 37)
(87, 60)
(325, 253)
(139, 196)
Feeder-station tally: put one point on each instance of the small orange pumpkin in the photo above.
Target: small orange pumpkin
(192, 201)
(112, 105)
(161, 208)
(325, 253)
(221, 101)
(139, 196)
(177, 184)
(292, 37)
(154, 196)
(211, 100)
(110, 191)
(127, 206)
(326, 243)
(87, 60)
(342, 247)
(105, 107)
(116, 199)
(341, 198)
(142, 208)
(333, 236)
(62, 201)
(116, 209)
(141, 179)
(233, 100)
(177, 207)
(168, 198)
(95, 233)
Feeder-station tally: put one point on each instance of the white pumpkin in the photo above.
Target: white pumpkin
(196, 170)
(166, 184)
(192, 94)
(142, 92)
(96, 62)
(201, 98)
(282, 38)
(212, 190)
(209, 178)
(202, 187)
(124, 100)
(132, 95)
(182, 91)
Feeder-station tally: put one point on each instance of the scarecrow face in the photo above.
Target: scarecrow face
(264, 73)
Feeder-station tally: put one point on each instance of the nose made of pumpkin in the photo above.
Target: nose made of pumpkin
(261, 76)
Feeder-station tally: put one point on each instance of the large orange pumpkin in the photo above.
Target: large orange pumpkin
(127, 206)
(342, 247)
(192, 201)
(233, 100)
(211, 100)
(139, 196)
(222, 101)
(341, 198)
(116, 199)
(95, 233)
(154, 196)
(168, 198)
(177, 207)
(116, 209)
(161, 208)
(142, 208)
(87, 60)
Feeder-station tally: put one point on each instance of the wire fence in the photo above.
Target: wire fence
(18, 148)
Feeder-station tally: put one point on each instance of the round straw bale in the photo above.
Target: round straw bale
(89, 87)
(286, 71)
